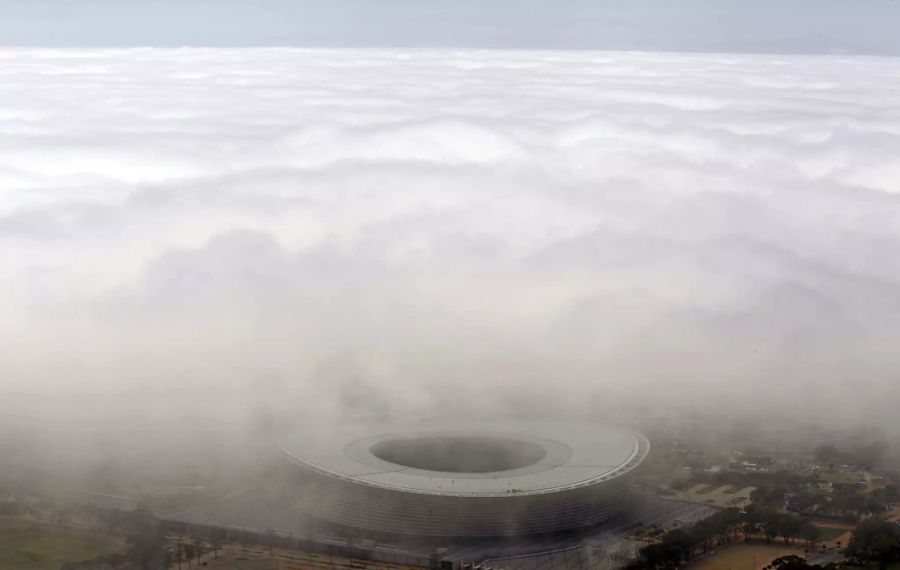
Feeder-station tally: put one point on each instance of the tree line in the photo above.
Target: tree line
(875, 543)
(682, 545)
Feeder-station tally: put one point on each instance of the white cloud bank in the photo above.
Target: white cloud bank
(452, 225)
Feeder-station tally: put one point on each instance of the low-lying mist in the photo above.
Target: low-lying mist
(200, 247)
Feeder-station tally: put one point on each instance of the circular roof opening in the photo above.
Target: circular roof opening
(459, 454)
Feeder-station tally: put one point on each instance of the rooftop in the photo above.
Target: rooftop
(464, 457)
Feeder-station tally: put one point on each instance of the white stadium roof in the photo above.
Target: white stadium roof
(575, 454)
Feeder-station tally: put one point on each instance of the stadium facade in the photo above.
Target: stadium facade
(464, 478)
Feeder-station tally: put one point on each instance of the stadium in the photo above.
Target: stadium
(464, 478)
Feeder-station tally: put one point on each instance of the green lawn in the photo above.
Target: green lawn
(829, 533)
(26, 545)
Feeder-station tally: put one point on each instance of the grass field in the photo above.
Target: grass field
(831, 533)
(744, 556)
(27, 545)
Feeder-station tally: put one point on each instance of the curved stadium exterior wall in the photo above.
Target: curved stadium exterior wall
(449, 478)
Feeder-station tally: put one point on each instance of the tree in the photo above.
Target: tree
(679, 544)
(875, 541)
(750, 526)
(827, 454)
(675, 548)
(145, 544)
(716, 528)
(891, 493)
(794, 562)
(789, 562)
(870, 455)
(810, 533)
(772, 497)
(876, 504)
(179, 554)
(789, 526)
(655, 556)
(768, 522)
(198, 549)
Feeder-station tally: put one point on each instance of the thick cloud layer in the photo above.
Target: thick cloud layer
(540, 231)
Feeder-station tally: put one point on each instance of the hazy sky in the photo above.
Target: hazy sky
(281, 227)
(786, 26)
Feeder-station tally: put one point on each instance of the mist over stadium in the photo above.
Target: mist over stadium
(430, 306)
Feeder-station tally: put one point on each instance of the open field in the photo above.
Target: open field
(744, 556)
(28, 545)
(833, 531)
(830, 533)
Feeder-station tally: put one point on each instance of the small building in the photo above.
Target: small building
(844, 483)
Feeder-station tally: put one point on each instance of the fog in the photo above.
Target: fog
(199, 238)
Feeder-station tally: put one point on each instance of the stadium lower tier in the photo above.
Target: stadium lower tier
(397, 512)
